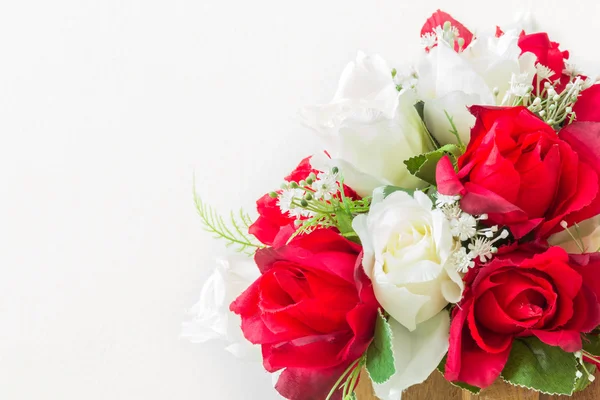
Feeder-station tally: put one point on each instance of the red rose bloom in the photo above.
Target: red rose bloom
(587, 107)
(439, 18)
(313, 310)
(548, 54)
(548, 295)
(272, 225)
(523, 175)
(270, 219)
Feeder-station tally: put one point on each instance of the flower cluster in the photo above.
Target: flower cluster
(452, 221)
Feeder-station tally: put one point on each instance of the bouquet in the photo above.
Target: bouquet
(451, 222)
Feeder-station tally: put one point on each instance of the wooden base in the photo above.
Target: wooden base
(437, 388)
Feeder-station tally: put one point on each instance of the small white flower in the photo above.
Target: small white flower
(543, 72)
(461, 261)
(481, 248)
(451, 211)
(464, 227)
(520, 85)
(429, 40)
(588, 83)
(286, 201)
(571, 69)
(445, 200)
(325, 186)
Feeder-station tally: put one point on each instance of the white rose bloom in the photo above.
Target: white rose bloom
(370, 128)
(451, 81)
(585, 237)
(407, 247)
(211, 316)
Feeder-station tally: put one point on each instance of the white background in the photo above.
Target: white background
(106, 109)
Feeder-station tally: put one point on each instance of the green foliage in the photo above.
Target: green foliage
(349, 378)
(454, 131)
(387, 190)
(233, 231)
(583, 382)
(538, 366)
(465, 386)
(423, 166)
(380, 356)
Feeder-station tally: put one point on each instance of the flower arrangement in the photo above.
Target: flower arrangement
(451, 223)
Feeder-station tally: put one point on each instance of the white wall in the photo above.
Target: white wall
(106, 109)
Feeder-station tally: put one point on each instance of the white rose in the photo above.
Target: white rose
(585, 237)
(211, 316)
(407, 247)
(370, 128)
(450, 81)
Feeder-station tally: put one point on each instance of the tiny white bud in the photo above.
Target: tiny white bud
(564, 224)
(569, 110)
(556, 97)
(550, 121)
(542, 113)
(546, 85)
(592, 378)
(537, 101)
(578, 374)
(496, 91)
(483, 217)
(504, 234)
(577, 353)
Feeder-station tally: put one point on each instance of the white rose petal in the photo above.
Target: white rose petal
(370, 128)
(406, 247)
(416, 354)
(211, 316)
(451, 81)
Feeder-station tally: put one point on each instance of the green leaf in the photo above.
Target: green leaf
(584, 382)
(344, 223)
(591, 344)
(380, 357)
(538, 366)
(420, 107)
(423, 166)
(387, 190)
(462, 385)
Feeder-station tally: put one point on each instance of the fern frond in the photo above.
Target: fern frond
(233, 231)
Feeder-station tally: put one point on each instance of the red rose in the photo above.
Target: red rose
(587, 107)
(439, 18)
(270, 218)
(313, 310)
(548, 54)
(523, 175)
(272, 227)
(547, 295)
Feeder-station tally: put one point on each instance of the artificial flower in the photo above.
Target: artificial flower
(548, 54)
(312, 311)
(407, 249)
(586, 108)
(526, 292)
(211, 317)
(519, 172)
(369, 128)
(450, 81)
